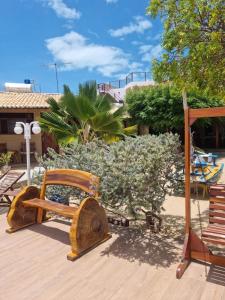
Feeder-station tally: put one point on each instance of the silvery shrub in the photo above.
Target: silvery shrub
(137, 172)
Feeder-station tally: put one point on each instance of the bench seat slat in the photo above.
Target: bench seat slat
(217, 200)
(217, 229)
(212, 240)
(216, 220)
(217, 206)
(217, 214)
(208, 233)
(61, 209)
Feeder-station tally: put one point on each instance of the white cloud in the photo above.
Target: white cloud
(62, 10)
(150, 52)
(75, 49)
(111, 1)
(139, 25)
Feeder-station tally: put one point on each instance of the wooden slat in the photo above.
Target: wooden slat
(217, 192)
(217, 206)
(213, 213)
(213, 231)
(216, 220)
(217, 200)
(58, 208)
(213, 234)
(207, 112)
(214, 241)
(76, 178)
(216, 227)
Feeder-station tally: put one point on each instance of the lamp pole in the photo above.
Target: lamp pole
(27, 128)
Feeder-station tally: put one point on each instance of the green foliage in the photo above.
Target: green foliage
(194, 43)
(5, 158)
(161, 106)
(83, 117)
(137, 172)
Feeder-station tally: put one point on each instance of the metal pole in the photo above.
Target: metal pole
(27, 136)
(56, 76)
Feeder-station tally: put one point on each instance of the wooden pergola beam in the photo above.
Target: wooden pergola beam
(195, 113)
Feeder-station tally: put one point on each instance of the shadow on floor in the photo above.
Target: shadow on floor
(140, 244)
(3, 210)
(52, 232)
(216, 275)
(161, 249)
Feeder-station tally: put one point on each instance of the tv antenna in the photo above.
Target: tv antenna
(56, 66)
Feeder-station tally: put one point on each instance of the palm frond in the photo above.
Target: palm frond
(120, 112)
(81, 108)
(131, 130)
(55, 106)
(103, 103)
(52, 122)
(105, 122)
(88, 90)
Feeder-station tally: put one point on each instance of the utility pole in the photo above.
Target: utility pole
(55, 65)
(56, 77)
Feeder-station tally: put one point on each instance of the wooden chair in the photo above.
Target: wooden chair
(89, 225)
(23, 152)
(7, 182)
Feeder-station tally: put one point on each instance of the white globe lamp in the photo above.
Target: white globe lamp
(18, 128)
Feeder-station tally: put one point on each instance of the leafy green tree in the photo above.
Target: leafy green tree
(84, 117)
(160, 107)
(193, 43)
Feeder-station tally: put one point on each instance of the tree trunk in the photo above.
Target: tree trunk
(143, 129)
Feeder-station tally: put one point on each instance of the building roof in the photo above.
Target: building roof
(26, 100)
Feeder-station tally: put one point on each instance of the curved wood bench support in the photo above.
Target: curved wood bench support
(89, 228)
(20, 216)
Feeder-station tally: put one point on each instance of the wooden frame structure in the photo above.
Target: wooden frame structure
(194, 247)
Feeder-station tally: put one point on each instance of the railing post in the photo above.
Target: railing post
(145, 76)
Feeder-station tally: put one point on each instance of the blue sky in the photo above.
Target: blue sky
(89, 39)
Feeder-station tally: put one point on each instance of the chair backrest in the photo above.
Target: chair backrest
(217, 204)
(75, 178)
(9, 179)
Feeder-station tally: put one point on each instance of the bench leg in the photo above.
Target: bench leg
(20, 216)
(40, 215)
(89, 228)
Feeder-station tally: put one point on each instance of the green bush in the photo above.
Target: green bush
(137, 172)
(161, 106)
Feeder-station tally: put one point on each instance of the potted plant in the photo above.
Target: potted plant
(5, 160)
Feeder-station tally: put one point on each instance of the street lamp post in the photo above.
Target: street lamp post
(27, 128)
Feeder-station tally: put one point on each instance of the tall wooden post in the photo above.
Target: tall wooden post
(187, 171)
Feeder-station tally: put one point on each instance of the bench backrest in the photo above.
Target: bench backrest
(85, 181)
(217, 204)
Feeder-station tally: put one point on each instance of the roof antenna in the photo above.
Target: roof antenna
(56, 65)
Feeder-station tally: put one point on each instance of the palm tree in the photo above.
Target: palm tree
(84, 117)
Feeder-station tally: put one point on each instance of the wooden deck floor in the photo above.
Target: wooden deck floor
(130, 266)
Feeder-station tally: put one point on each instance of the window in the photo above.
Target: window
(8, 121)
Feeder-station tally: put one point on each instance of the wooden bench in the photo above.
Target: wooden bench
(215, 232)
(89, 226)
